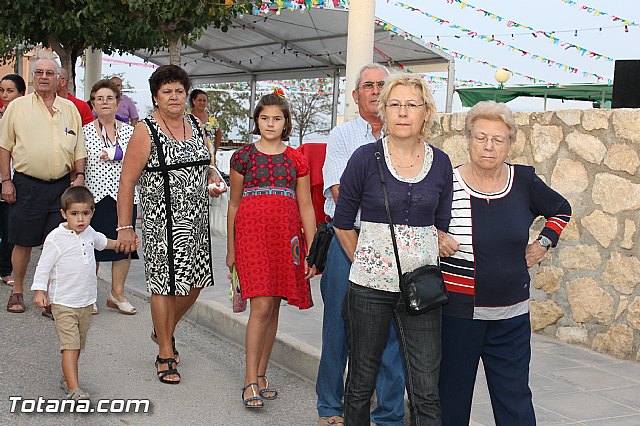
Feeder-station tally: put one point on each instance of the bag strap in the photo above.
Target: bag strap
(196, 125)
(378, 146)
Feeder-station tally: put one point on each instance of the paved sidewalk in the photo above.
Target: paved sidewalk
(571, 385)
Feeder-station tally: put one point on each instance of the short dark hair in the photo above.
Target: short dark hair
(168, 74)
(77, 194)
(194, 94)
(273, 100)
(21, 87)
(105, 84)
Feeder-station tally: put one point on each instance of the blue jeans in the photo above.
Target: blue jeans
(330, 382)
(505, 349)
(369, 314)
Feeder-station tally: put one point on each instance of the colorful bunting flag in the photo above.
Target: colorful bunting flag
(597, 12)
(492, 39)
(548, 34)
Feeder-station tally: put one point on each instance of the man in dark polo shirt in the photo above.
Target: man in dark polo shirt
(42, 134)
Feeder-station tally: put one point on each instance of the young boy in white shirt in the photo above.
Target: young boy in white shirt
(68, 262)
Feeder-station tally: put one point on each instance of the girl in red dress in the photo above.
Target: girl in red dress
(269, 207)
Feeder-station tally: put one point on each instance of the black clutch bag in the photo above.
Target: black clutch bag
(320, 246)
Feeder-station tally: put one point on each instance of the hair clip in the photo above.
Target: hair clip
(278, 92)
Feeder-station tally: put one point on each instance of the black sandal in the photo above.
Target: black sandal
(255, 397)
(267, 392)
(176, 354)
(171, 371)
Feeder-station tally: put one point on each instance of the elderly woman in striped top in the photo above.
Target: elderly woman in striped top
(486, 256)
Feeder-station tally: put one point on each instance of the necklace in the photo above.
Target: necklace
(184, 129)
(495, 185)
(105, 136)
(395, 157)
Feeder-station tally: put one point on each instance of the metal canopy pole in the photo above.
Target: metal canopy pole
(252, 106)
(336, 97)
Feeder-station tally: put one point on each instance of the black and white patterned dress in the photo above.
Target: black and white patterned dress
(175, 225)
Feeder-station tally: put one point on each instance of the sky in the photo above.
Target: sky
(570, 24)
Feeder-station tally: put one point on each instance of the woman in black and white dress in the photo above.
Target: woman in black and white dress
(106, 139)
(169, 156)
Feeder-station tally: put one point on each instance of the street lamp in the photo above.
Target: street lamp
(502, 76)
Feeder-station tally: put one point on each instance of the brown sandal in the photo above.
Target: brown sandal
(331, 420)
(16, 300)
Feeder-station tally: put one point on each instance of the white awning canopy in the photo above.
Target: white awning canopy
(294, 45)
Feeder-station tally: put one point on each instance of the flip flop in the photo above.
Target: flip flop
(16, 299)
(8, 282)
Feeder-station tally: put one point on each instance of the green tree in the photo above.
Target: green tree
(231, 110)
(184, 21)
(70, 26)
(309, 113)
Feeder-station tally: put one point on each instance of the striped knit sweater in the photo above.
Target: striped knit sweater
(487, 277)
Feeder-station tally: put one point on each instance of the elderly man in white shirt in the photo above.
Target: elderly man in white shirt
(343, 141)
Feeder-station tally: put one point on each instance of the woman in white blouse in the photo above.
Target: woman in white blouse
(106, 139)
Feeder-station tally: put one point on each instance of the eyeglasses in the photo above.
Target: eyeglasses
(411, 107)
(368, 86)
(103, 100)
(497, 140)
(48, 73)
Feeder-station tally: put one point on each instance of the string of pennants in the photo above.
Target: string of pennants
(597, 12)
(534, 32)
(397, 31)
(498, 42)
(278, 5)
(322, 86)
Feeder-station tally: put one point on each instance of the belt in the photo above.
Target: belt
(285, 192)
(43, 180)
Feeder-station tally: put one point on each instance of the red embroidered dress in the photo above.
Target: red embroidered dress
(269, 242)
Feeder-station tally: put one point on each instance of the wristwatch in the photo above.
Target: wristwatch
(544, 241)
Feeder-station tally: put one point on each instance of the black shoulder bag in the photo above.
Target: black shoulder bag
(422, 289)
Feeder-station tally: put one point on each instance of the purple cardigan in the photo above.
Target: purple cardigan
(423, 203)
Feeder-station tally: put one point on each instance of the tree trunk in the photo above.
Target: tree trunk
(76, 51)
(68, 57)
(174, 51)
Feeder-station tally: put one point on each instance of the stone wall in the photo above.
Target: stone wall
(586, 290)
